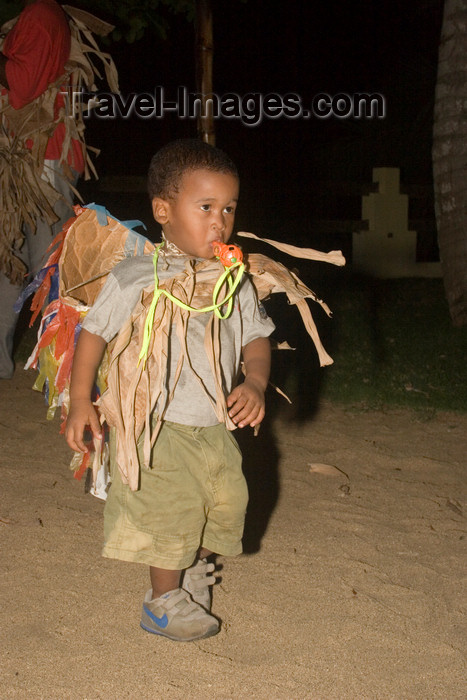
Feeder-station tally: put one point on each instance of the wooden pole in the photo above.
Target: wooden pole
(204, 55)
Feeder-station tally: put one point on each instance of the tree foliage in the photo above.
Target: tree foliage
(132, 18)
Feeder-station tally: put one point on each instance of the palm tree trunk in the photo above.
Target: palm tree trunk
(204, 53)
(450, 157)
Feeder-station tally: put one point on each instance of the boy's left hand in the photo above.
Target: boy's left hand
(246, 403)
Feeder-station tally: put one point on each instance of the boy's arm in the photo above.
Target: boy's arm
(88, 355)
(246, 402)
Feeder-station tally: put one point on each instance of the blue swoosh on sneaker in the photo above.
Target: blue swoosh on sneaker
(160, 621)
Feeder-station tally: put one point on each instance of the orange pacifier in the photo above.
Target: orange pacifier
(227, 253)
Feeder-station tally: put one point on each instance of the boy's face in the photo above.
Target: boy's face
(202, 212)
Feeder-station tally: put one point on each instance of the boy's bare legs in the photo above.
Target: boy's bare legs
(164, 580)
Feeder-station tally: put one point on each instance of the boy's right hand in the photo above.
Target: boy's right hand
(82, 413)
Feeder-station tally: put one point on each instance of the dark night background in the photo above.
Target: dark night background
(362, 46)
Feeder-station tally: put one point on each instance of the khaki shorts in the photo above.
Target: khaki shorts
(194, 495)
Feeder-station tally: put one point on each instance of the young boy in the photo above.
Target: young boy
(191, 501)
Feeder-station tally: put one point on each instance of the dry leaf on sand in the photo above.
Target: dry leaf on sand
(327, 469)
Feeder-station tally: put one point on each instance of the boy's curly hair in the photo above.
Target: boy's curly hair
(170, 163)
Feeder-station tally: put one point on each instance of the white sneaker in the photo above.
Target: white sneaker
(197, 582)
(176, 616)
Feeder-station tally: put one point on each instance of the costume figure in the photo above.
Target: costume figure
(42, 149)
(166, 335)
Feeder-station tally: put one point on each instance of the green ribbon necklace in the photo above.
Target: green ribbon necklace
(216, 306)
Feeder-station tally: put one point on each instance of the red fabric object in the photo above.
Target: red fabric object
(37, 49)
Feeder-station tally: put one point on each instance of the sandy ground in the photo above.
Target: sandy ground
(353, 584)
